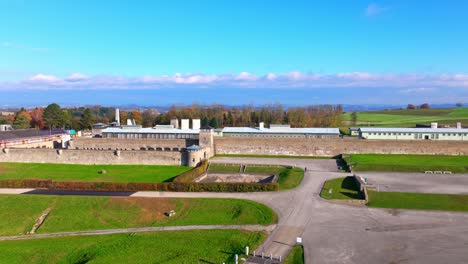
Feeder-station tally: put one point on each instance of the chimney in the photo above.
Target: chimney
(261, 125)
(117, 116)
(196, 124)
(184, 124)
(459, 126)
(433, 125)
(175, 122)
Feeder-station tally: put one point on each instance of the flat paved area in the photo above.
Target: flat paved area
(418, 182)
(334, 233)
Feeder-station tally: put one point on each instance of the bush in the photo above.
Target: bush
(190, 175)
(130, 187)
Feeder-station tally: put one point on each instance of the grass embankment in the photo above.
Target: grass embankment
(289, 178)
(342, 189)
(408, 163)
(271, 156)
(76, 213)
(296, 256)
(421, 201)
(214, 167)
(207, 246)
(409, 118)
(90, 173)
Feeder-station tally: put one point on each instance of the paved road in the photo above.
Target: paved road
(418, 182)
(269, 228)
(334, 233)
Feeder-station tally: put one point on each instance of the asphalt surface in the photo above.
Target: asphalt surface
(418, 182)
(334, 233)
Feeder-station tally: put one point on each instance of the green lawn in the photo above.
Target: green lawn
(75, 213)
(264, 169)
(224, 168)
(342, 188)
(296, 256)
(73, 172)
(271, 156)
(195, 246)
(408, 163)
(423, 201)
(289, 178)
(409, 118)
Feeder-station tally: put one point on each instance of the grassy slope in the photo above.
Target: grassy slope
(423, 201)
(342, 188)
(408, 163)
(73, 172)
(408, 118)
(224, 168)
(296, 256)
(74, 213)
(289, 178)
(207, 246)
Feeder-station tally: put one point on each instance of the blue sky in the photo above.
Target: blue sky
(258, 51)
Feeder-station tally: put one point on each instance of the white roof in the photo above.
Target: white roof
(280, 130)
(151, 130)
(412, 130)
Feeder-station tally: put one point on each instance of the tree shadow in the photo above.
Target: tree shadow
(349, 183)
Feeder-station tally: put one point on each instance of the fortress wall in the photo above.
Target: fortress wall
(332, 147)
(92, 156)
(127, 144)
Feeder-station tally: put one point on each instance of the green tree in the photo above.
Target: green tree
(214, 123)
(22, 120)
(53, 116)
(354, 118)
(205, 121)
(87, 119)
(67, 119)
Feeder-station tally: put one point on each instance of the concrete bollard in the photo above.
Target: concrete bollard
(236, 259)
(247, 250)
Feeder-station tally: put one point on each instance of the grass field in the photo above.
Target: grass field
(296, 256)
(73, 172)
(342, 189)
(408, 163)
(422, 201)
(289, 178)
(271, 156)
(409, 118)
(224, 168)
(207, 246)
(75, 213)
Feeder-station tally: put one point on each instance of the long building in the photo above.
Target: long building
(433, 133)
(279, 131)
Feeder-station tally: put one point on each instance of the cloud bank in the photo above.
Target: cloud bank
(291, 80)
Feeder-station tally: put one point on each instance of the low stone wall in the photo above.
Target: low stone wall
(333, 147)
(93, 156)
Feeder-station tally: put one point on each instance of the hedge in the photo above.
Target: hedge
(190, 175)
(130, 187)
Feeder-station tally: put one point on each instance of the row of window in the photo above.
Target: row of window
(409, 134)
(280, 136)
(149, 136)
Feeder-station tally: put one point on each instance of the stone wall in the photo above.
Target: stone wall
(93, 156)
(129, 144)
(332, 147)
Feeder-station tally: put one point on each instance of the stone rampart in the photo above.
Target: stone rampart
(129, 144)
(93, 156)
(333, 147)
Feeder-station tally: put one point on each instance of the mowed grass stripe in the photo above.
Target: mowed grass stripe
(76, 213)
(90, 173)
(408, 163)
(207, 246)
(421, 201)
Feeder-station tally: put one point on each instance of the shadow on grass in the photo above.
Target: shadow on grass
(349, 183)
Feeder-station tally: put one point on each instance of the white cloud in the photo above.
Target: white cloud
(374, 9)
(76, 77)
(401, 83)
(43, 78)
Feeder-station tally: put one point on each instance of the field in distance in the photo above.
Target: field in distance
(206, 246)
(408, 118)
(76, 213)
(407, 163)
(90, 173)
